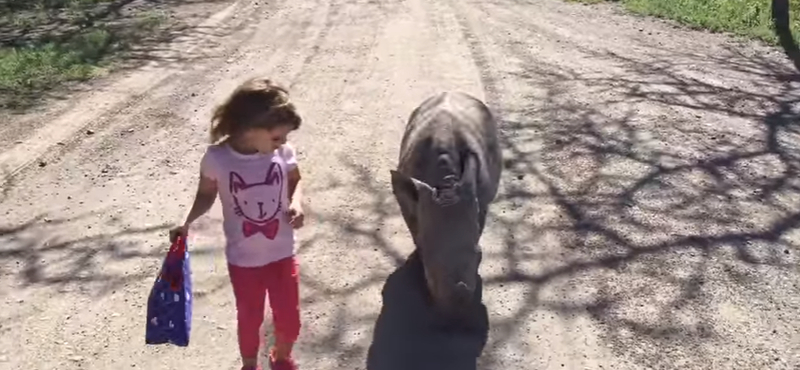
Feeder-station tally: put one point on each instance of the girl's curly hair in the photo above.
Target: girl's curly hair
(256, 103)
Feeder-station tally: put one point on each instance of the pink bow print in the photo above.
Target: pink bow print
(270, 229)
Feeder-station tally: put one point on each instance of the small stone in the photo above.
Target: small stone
(42, 163)
(89, 132)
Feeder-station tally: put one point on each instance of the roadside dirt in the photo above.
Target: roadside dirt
(648, 217)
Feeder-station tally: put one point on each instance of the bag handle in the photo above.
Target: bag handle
(178, 249)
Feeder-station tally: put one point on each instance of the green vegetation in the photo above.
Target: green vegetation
(749, 18)
(46, 43)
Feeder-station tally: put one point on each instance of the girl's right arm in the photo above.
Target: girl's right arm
(203, 200)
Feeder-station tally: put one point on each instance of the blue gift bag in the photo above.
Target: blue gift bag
(169, 306)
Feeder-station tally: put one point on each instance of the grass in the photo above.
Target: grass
(748, 18)
(30, 69)
(45, 44)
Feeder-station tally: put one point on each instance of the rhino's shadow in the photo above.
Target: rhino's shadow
(409, 335)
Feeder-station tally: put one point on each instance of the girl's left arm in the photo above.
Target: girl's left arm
(295, 190)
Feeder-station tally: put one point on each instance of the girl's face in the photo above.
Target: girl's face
(266, 141)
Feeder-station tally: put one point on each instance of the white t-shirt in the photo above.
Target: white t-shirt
(253, 190)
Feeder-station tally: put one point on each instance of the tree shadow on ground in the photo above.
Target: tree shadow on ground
(41, 253)
(667, 192)
(407, 333)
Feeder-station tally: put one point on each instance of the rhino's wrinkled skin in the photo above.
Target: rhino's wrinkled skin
(448, 174)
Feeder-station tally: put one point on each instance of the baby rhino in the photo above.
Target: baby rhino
(449, 172)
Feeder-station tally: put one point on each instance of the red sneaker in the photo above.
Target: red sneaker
(285, 364)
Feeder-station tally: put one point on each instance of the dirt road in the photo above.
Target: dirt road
(648, 215)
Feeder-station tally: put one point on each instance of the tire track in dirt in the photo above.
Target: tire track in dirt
(501, 332)
(330, 16)
(374, 73)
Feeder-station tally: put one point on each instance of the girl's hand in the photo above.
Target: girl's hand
(296, 216)
(181, 231)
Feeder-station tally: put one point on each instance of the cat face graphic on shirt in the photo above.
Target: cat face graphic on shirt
(259, 201)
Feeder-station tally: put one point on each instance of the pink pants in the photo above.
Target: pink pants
(250, 288)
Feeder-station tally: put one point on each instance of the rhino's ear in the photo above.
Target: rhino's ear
(407, 191)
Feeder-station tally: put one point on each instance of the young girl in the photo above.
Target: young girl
(254, 171)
